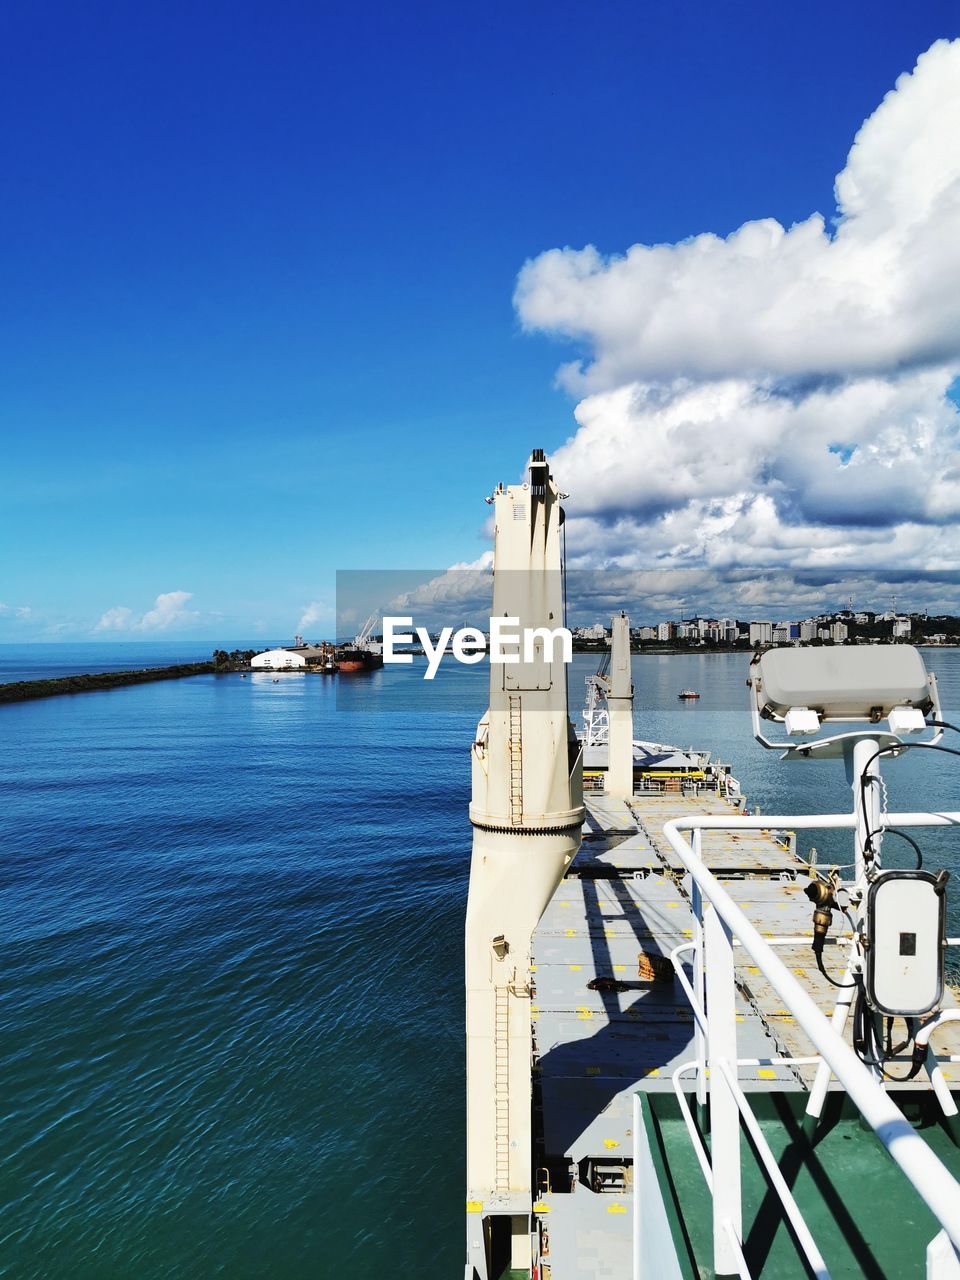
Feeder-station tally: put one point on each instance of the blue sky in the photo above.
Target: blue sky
(257, 266)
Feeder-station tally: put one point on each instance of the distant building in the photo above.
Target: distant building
(839, 632)
(808, 631)
(761, 632)
(902, 628)
(647, 633)
(597, 632)
(664, 630)
(278, 660)
(781, 633)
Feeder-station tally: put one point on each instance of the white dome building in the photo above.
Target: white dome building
(278, 660)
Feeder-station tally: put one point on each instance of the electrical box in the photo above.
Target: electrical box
(906, 922)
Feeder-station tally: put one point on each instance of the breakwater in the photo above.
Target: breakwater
(25, 690)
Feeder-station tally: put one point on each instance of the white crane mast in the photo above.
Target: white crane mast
(527, 816)
(619, 780)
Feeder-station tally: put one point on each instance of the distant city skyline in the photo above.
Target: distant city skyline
(288, 292)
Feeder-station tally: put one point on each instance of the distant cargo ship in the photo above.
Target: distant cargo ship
(364, 654)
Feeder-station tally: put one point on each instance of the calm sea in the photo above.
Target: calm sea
(231, 958)
(36, 661)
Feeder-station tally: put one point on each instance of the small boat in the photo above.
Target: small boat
(688, 695)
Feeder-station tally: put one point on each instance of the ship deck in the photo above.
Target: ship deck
(624, 894)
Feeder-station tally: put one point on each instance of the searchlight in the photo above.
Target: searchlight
(803, 689)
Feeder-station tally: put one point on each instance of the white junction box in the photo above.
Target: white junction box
(906, 920)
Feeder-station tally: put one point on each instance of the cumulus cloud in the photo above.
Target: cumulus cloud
(316, 611)
(780, 394)
(169, 612)
(120, 618)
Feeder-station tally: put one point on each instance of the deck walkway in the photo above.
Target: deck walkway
(625, 893)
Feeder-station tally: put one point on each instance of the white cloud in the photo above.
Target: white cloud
(316, 611)
(780, 394)
(880, 293)
(698, 462)
(119, 618)
(169, 612)
(22, 612)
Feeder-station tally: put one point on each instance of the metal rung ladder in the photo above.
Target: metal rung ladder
(516, 762)
(501, 1049)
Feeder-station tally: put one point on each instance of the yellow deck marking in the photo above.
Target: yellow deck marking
(575, 968)
(766, 1073)
(540, 1207)
(616, 1208)
(570, 933)
(610, 1143)
(474, 1206)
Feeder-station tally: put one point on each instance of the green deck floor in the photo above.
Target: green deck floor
(864, 1216)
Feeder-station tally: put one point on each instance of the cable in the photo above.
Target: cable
(818, 952)
(896, 831)
(890, 748)
(867, 1043)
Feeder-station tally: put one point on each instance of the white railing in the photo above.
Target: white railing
(719, 925)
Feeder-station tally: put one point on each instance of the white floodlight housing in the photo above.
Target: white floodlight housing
(855, 684)
(801, 720)
(906, 720)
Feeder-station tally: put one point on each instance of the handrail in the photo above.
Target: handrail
(801, 1230)
(924, 1170)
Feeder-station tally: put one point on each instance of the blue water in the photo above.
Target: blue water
(231, 921)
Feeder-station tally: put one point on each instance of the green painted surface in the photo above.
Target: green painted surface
(864, 1216)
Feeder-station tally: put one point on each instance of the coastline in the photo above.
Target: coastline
(28, 690)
